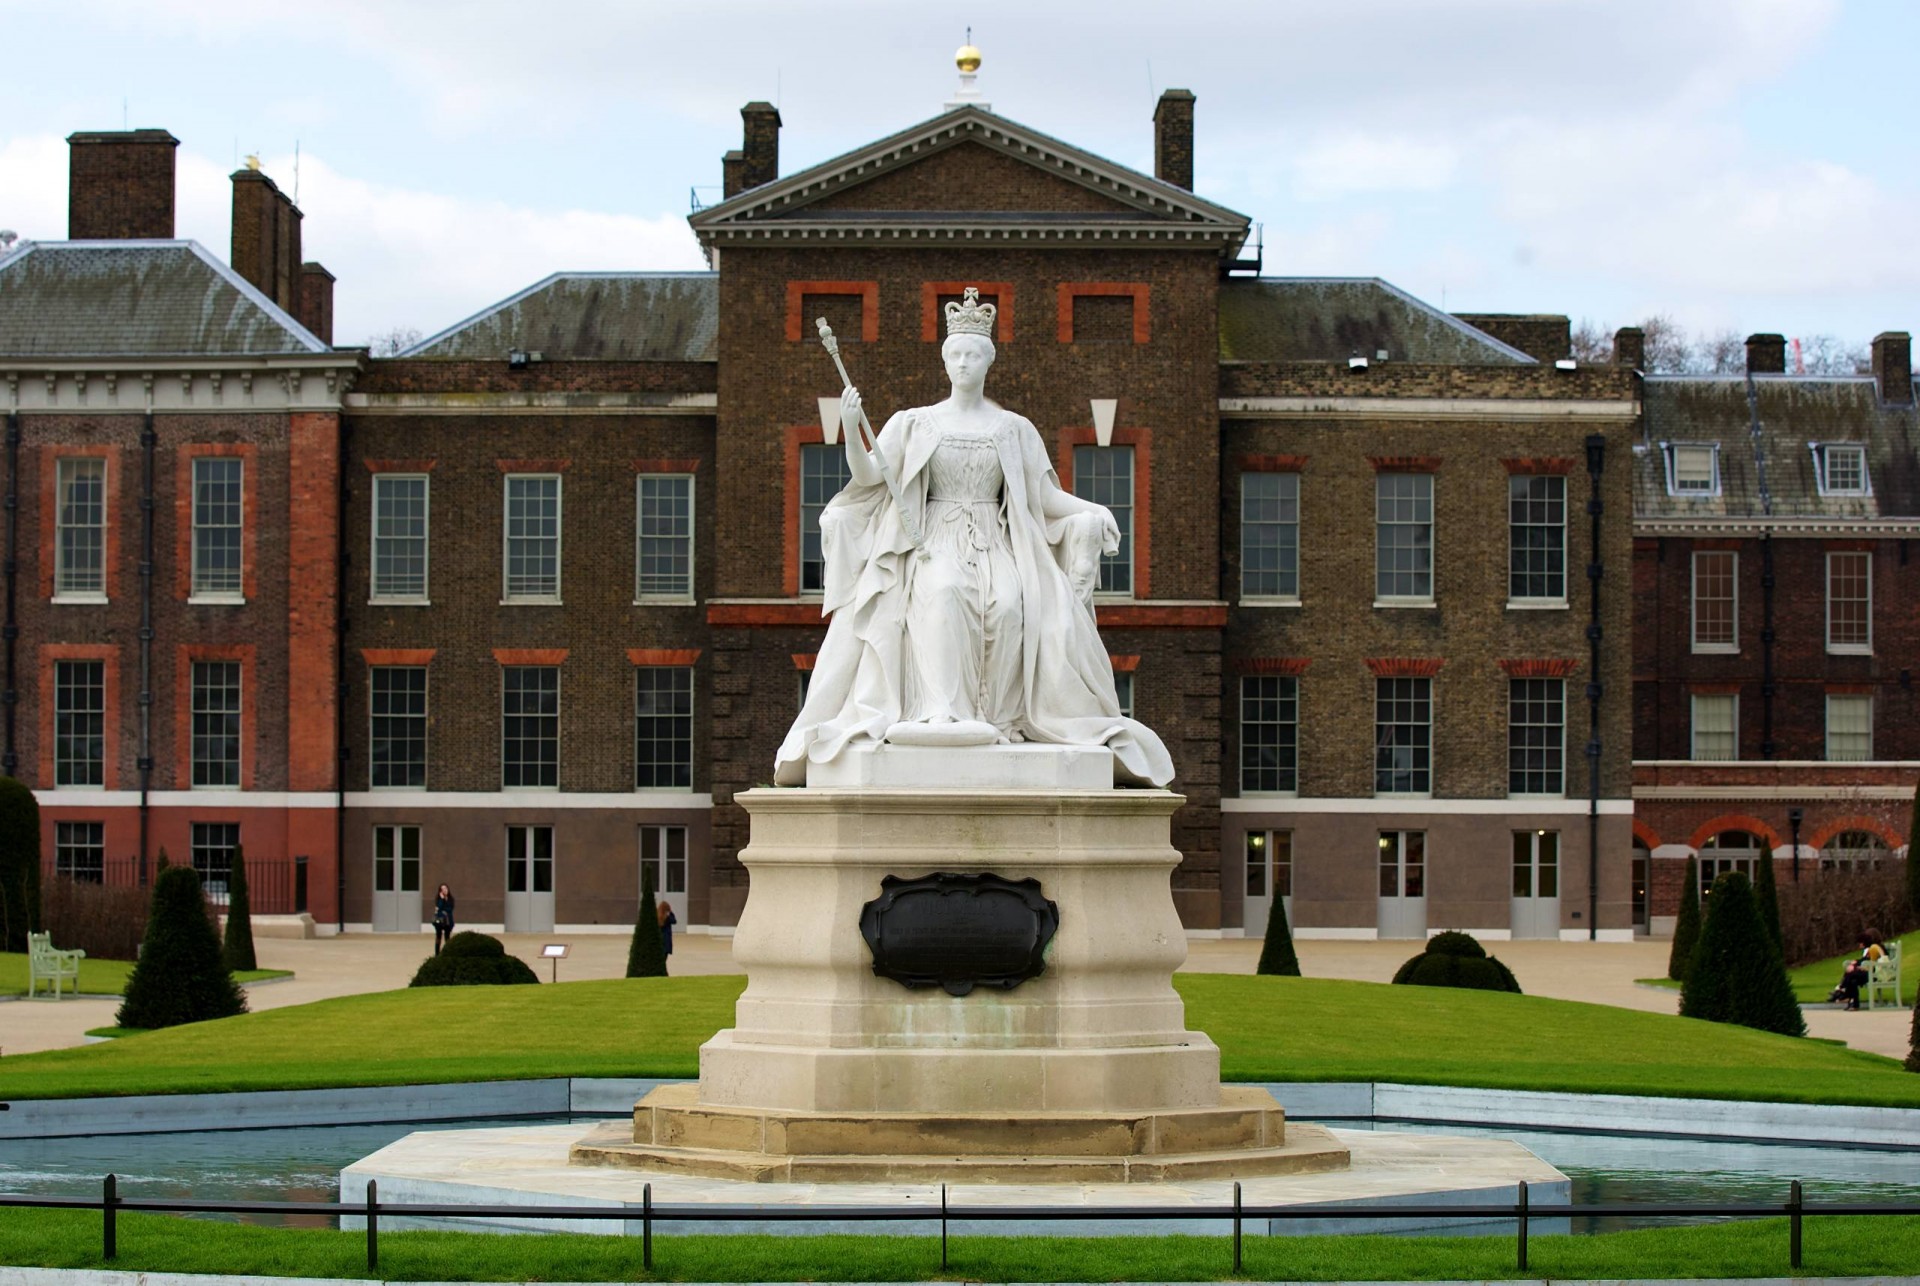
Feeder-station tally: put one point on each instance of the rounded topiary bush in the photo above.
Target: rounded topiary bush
(472, 960)
(1454, 959)
(180, 976)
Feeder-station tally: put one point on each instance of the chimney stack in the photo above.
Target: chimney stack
(1630, 348)
(1766, 354)
(120, 185)
(266, 238)
(1173, 138)
(316, 301)
(760, 148)
(1893, 366)
(730, 167)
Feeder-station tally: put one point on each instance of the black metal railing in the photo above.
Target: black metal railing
(1520, 1210)
(275, 886)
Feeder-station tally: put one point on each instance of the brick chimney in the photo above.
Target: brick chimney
(316, 301)
(731, 166)
(760, 147)
(266, 238)
(1766, 354)
(1630, 348)
(1893, 366)
(120, 185)
(1173, 138)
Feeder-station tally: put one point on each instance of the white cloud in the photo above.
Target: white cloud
(1348, 162)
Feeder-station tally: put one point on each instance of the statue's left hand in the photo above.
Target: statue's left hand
(1109, 532)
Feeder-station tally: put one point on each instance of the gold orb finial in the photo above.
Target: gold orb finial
(967, 59)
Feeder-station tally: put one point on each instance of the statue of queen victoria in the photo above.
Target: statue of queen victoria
(960, 579)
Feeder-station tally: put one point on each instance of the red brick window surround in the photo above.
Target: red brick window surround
(50, 521)
(186, 655)
(109, 658)
(800, 326)
(1553, 667)
(660, 656)
(249, 515)
(1291, 666)
(1138, 291)
(933, 322)
(1539, 465)
(1141, 440)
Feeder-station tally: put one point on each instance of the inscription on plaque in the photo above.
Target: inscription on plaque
(958, 932)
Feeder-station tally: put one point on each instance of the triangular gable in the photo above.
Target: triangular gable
(972, 172)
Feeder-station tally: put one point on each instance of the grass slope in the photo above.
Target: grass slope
(1834, 1247)
(1280, 1029)
(97, 977)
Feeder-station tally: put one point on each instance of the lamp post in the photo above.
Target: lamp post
(1794, 817)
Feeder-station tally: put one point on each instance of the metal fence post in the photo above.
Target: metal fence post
(1795, 1202)
(109, 1234)
(1236, 1225)
(1520, 1211)
(373, 1225)
(646, 1226)
(943, 1227)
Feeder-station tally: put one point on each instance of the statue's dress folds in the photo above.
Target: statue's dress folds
(979, 625)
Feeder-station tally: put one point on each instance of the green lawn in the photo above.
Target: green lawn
(1812, 982)
(97, 977)
(1280, 1029)
(1833, 1247)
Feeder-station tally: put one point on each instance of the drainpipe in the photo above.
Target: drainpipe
(10, 695)
(1596, 505)
(149, 440)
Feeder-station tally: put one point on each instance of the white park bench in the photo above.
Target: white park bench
(1883, 978)
(47, 964)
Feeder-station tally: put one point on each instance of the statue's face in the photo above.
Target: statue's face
(967, 357)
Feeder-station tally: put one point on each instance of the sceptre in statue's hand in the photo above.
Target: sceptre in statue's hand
(865, 460)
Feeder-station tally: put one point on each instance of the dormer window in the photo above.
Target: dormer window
(1693, 469)
(1841, 468)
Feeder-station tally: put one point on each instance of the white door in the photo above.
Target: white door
(1269, 875)
(396, 879)
(529, 879)
(1403, 884)
(1536, 884)
(664, 850)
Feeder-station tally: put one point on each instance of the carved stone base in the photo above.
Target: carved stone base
(1245, 1135)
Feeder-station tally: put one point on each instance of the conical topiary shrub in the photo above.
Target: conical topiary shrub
(1766, 898)
(1455, 959)
(19, 865)
(1277, 955)
(238, 948)
(473, 960)
(180, 977)
(1913, 854)
(1913, 1039)
(1736, 975)
(647, 955)
(1686, 925)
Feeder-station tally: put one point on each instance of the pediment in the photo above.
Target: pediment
(977, 175)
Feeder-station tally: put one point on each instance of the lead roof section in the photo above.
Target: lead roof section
(1793, 413)
(74, 300)
(594, 316)
(1329, 319)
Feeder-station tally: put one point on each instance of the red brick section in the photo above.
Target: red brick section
(313, 604)
(1646, 834)
(1292, 666)
(1146, 616)
(250, 485)
(803, 661)
(1854, 690)
(660, 464)
(998, 293)
(1253, 462)
(188, 653)
(1855, 822)
(1141, 440)
(1139, 290)
(530, 655)
(533, 466)
(1733, 822)
(798, 328)
(1404, 667)
(398, 655)
(1404, 463)
(109, 655)
(662, 655)
(1122, 664)
(1540, 667)
(1714, 689)
(424, 465)
(50, 457)
(750, 615)
(1559, 464)
(1849, 546)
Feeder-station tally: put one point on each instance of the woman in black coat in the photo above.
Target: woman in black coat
(442, 918)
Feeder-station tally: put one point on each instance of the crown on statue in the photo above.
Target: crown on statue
(969, 316)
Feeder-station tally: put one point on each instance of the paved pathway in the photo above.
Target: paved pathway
(1602, 973)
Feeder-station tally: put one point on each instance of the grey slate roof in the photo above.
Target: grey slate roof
(1794, 412)
(1326, 319)
(608, 316)
(92, 299)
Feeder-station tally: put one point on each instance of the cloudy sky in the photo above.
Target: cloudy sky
(1743, 164)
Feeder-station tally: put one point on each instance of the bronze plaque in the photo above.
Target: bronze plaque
(958, 932)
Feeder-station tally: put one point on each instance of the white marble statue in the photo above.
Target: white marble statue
(960, 579)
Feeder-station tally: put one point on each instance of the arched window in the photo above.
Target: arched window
(1731, 851)
(1853, 851)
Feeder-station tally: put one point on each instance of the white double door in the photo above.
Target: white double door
(1403, 884)
(529, 901)
(396, 879)
(1269, 875)
(1536, 884)
(663, 849)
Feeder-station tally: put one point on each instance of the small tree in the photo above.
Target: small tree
(1686, 925)
(180, 977)
(1913, 854)
(238, 948)
(1766, 896)
(647, 956)
(1913, 1039)
(1736, 975)
(19, 865)
(1277, 955)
